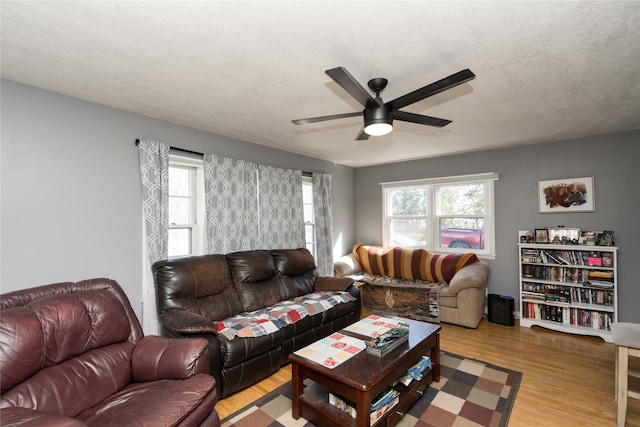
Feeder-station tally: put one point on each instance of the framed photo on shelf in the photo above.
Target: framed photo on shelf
(606, 239)
(607, 259)
(542, 235)
(567, 195)
(562, 235)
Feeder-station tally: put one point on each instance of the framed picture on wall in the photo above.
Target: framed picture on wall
(566, 195)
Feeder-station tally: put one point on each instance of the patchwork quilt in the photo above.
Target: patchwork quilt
(270, 319)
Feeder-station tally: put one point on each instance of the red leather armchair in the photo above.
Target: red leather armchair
(73, 354)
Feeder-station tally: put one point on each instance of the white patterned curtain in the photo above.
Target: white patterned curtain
(281, 208)
(154, 173)
(323, 218)
(231, 203)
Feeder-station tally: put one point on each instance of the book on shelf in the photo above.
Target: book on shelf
(388, 398)
(560, 296)
(601, 275)
(416, 371)
(385, 401)
(593, 319)
(600, 284)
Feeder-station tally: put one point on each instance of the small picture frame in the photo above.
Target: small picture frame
(542, 235)
(607, 259)
(607, 238)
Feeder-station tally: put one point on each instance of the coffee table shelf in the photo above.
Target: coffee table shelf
(317, 409)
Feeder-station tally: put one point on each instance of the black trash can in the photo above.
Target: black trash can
(501, 308)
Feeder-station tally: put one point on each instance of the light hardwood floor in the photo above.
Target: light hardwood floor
(568, 380)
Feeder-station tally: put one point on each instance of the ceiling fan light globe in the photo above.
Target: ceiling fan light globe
(378, 129)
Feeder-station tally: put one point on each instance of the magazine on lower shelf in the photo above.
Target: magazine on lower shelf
(388, 398)
(416, 371)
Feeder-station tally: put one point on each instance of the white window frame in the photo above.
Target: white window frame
(197, 225)
(309, 240)
(432, 217)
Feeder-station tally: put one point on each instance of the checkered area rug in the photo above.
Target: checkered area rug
(470, 393)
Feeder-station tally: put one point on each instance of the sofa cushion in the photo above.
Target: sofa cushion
(256, 279)
(297, 270)
(147, 403)
(89, 339)
(103, 371)
(198, 284)
(411, 263)
(293, 262)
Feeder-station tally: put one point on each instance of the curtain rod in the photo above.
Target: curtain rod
(184, 150)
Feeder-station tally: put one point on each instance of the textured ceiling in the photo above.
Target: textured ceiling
(545, 70)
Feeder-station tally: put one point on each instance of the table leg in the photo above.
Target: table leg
(296, 391)
(363, 408)
(435, 359)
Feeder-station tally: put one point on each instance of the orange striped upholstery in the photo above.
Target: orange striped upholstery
(411, 263)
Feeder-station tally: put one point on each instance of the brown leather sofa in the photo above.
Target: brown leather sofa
(196, 294)
(73, 354)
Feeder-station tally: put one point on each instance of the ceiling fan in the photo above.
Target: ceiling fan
(379, 116)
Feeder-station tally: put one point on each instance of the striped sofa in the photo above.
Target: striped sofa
(416, 283)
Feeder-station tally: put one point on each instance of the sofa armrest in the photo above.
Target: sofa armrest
(183, 322)
(472, 276)
(346, 265)
(156, 358)
(32, 418)
(331, 283)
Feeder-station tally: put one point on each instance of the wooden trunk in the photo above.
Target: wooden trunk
(415, 301)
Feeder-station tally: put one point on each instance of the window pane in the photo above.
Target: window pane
(307, 192)
(465, 199)
(179, 211)
(409, 232)
(308, 232)
(462, 233)
(409, 201)
(178, 181)
(179, 241)
(308, 213)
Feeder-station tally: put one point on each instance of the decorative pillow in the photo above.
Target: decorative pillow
(411, 263)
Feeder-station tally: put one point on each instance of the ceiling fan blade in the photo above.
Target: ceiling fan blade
(325, 118)
(362, 136)
(341, 76)
(420, 119)
(432, 89)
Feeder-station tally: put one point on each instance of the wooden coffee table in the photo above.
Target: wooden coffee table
(364, 377)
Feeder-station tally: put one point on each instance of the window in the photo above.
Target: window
(185, 209)
(451, 214)
(309, 219)
(187, 205)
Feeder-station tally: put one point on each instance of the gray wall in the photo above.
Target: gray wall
(70, 192)
(613, 161)
(70, 187)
